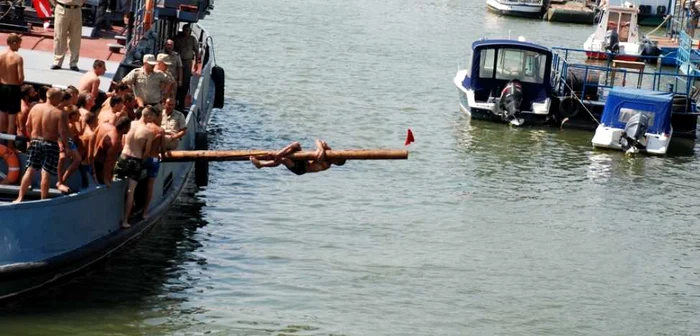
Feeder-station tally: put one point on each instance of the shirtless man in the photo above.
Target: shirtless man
(152, 161)
(71, 151)
(28, 94)
(104, 148)
(300, 167)
(85, 104)
(88, 132)
(11, 77)
(110, 115)
(91, 80)
(129, 102)
(119, 91)
(46, 126)
(137, 145)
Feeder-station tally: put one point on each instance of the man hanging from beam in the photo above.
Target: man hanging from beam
(300, 167)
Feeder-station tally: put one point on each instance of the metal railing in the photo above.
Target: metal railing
(562, 69)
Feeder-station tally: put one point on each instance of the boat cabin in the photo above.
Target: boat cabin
(620, 19)
(496, 62)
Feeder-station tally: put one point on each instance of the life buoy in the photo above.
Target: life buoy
(219, 78)
(12, 161)
(569, 107)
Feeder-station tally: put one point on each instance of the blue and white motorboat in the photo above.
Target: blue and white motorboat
(508, 81)
(42, 241)
(636, 120)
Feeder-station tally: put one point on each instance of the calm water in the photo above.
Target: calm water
(486, 230)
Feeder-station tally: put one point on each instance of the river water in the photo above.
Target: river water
(485, 230)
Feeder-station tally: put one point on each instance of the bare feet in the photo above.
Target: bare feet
(255, 162)
(17, 200)
(63, 188)
(144, 216)
(126, 225)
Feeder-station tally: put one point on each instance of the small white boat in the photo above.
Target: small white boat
(616, 33)
(636, 120)
(525, 8)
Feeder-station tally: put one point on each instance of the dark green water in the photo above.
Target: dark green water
(485, 230)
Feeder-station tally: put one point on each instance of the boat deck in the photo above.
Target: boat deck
(667, 42)
(37, 51)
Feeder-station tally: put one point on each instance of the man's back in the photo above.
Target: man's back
(45, 119)
(106, 136)
(158, 134)
(87, 82)
(136, 140)
(10, 63)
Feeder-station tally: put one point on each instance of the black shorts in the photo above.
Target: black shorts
(10, 98)
(43, 154)
(128, 167)
(299, 167)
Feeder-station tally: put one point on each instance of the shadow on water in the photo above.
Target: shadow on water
(126, 285)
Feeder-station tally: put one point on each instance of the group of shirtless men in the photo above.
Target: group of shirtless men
(122, 138)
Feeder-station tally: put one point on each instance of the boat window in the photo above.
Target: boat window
(613, 17)
(627, 113)
(624, 27)
(486, 66)
(526, 66)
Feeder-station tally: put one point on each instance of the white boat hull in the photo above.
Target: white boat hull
(515, 8)
(609, 137)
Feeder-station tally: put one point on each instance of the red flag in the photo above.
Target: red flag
(43, 9)
(409, 138)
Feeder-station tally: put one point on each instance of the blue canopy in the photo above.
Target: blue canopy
(622, 103)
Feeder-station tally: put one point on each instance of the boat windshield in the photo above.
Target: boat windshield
(524, 65)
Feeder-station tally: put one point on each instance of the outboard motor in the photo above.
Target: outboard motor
(509, 102)
(650, 48)
(612, 41)
(634, 132)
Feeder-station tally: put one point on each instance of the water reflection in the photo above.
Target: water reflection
(142, 288)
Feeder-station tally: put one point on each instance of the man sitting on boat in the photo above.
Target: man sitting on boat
(299, 167)
(46, 125)
(90, 82)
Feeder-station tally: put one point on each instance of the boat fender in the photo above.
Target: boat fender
(569, 107)
(12, 162)
(218, 75)
(201, 168)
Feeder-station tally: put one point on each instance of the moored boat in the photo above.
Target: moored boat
(46, 240)
(636, 120)
(617, 33)
(508, 81)
(522, 8)
(581, 90)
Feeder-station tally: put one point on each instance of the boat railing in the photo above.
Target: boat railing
(594, 80)
(202, 96)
